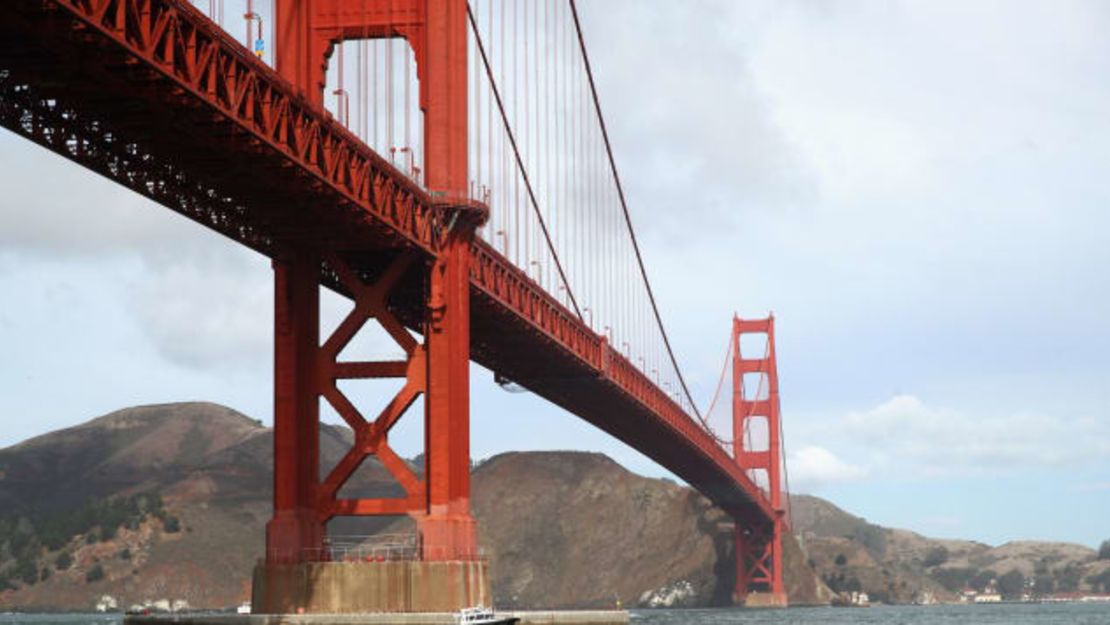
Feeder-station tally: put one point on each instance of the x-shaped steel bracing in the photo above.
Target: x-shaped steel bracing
(757, 546)
(371, 437)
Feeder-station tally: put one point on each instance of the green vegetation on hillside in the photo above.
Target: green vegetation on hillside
(26, 536)
(1045, 580)
(1100, 582)
(1067, 579)
(95, 574)
(936, 556)
(872, 537)
(1011, 584)
(955, 579)
(1104, 550)
(840, 582)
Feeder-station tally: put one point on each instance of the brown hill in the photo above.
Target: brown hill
(562, 529)
(577, 529)
(210, 467)
(899, 566)
(135, 448)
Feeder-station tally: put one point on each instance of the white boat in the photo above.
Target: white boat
(244, 608)
(480, 615)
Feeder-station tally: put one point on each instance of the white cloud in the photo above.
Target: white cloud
(216, 310)
(713, 145)
(57, 210)
(1092, 487)
(812, 467)
(905, 434)
(201, 299)
(207, 311)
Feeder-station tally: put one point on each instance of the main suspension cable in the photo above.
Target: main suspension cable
(726, 443)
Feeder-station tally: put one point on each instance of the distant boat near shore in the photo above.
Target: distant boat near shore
(851, 600)
(481, 615)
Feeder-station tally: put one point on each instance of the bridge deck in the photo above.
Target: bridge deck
(154, 96)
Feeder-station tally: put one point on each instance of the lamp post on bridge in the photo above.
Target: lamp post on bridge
(250, 17)
(539, 271)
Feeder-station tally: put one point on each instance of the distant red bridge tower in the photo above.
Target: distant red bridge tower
(759, 557)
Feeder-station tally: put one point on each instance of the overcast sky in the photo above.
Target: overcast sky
(915, 188)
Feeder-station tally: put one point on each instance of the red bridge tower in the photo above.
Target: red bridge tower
(307, 32)
(759, 567)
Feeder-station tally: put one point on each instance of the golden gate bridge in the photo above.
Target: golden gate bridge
(445, 165)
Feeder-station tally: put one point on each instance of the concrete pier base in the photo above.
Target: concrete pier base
(368, 587)
(766, 600)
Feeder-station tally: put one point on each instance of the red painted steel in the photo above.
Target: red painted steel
(436, 29)
(153, 95)
(758, 544)
(295, 526)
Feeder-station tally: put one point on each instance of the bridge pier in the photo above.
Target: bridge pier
(295, 528)
(364, 588)
(300, 573)
(447, 529)
(759, 579)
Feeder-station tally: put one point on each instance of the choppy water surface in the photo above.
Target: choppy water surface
(1006, 614)
(60, 619)
(1011, 614)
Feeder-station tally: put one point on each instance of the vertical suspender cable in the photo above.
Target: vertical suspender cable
(360, 119)
(490, 104)
(375, 105)
(519, 67)
(249, 20)
(575, 179)
(389, 128)
(534, 125)
(599, 283)
(364, 78)
(340, 93)
(526, 140)
(591, 189)
(475, 93)
(535, 143)
(561, 107)
(408, 105)
(505, 52)
(545, 167)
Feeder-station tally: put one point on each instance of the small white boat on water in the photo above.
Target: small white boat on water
(483, 616)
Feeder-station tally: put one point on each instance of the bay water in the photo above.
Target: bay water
(1003, 614)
